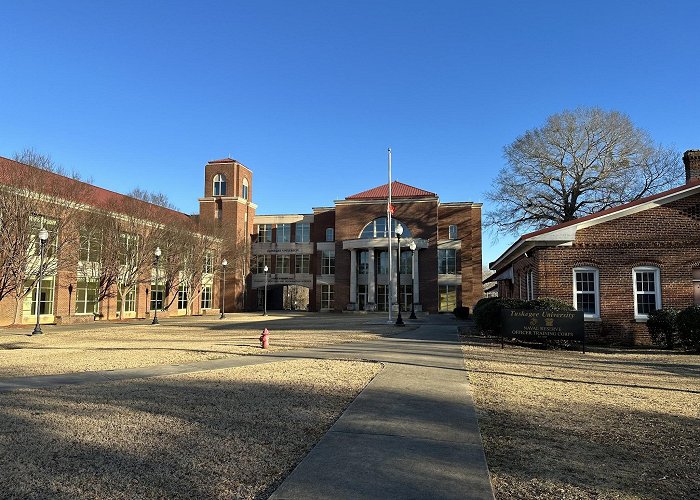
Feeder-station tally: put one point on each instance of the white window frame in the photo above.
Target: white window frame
(284, 233)
(219, 185)
(302, 234)
(657, 289)
(330, 234)
(596, 291)
(244, 190)
(530, 284)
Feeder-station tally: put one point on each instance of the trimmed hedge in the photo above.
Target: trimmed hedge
(663, 328)
(688, 323)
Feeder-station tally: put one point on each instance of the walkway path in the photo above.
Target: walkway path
(412, 432)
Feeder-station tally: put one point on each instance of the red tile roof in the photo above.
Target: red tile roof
(19, 174)
(398, 190)
(223, 160)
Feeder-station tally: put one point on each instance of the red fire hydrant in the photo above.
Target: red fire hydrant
(264, 339)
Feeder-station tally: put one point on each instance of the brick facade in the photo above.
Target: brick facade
(661, 232)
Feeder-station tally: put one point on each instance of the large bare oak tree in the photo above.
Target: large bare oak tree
(578, 163)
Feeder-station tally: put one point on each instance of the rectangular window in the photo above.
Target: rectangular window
(363, 262)
(36, 222)
(282, 264)
(129, 303)
(264, 233)
(453, 232)
(284, 233)
(330, 234)
(182, 297)
(382, 298)
(157, 293)
(302, 264)
(90, 246)
(260, 262)
(406, 262)
(447, 261)
(206, 297)
(128, 249)
(586, 293)
(86, 297)
(647, 291)
(383, 263)
(448, 297)
(326, 296)
(530, 283)
(328, 262)
(208, 267)
(303, 232)
(45, 297)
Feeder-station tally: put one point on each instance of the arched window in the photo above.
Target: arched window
(378, 229)
(245, 189)
(219, 185)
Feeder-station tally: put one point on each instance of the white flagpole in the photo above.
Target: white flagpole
(389, 237)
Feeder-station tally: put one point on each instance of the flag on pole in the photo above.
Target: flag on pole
(392, 209)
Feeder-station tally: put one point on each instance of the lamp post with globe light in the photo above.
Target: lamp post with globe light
(265, 269)
(412, 246)
(399, 232)
(43, 236)
(157, 291)
(224, 263)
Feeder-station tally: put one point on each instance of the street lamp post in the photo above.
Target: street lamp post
(224, 263)
(399, 232)
(412, 246)
(157, 253)
(43, 236)
(265, 310)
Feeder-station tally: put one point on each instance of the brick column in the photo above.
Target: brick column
(353, 278)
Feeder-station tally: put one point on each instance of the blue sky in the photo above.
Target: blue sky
(309, 94)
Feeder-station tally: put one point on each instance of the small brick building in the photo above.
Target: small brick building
(340, 254)
(617, 265)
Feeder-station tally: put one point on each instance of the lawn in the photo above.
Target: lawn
(233, 433)
(107, 346)
(561, 425)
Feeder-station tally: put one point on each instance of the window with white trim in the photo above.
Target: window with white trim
(447, 261)
(328, 262)
(282, 264)
(586, 291)
(647, 291)
(245, 189)
(530, 284)
(327, 296)
(302, 264)
(219, 185)
(206, 297)
(303, 232)
(264, 233)
(330, 234)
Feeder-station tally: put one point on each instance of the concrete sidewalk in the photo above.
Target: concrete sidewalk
(411, 433)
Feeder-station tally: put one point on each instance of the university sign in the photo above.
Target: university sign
(282, 279)
(542, 325)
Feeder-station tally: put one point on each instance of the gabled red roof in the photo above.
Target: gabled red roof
(18, 174)
(398, 190)
(612, 210)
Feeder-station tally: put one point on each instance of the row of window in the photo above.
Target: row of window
(646, 285)
(447, 262)
(220, 186)
(447, 297)
(375, 229)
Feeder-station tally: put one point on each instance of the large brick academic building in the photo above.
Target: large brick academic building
(617, 265)
(338, 255)
(341, 253)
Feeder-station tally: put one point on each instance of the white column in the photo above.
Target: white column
(416, 287)
(371, 293)
(397, 275)
(353, 278)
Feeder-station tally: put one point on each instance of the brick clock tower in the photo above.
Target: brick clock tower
(227, 205)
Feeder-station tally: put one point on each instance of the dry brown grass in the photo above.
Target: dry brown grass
(231, 433)
(111, 347)
(599, 425)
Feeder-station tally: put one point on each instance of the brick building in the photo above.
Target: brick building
(91, 229)
(617, 265)
(340, 253)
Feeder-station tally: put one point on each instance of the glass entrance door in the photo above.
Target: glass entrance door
(361, 297)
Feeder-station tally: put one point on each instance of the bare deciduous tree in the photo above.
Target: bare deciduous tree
(159, 199)
(580, 162)
(29, 156)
